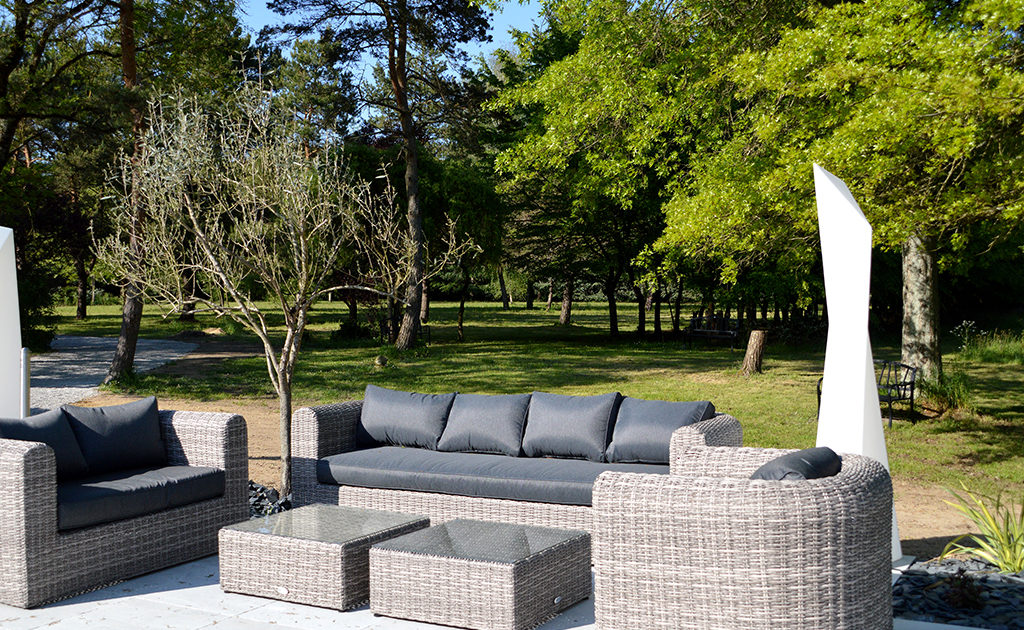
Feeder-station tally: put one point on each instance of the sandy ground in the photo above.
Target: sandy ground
(925, 521)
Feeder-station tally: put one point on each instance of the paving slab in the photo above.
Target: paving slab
(188, 597)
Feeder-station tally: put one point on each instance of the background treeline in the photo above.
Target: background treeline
(655, 154)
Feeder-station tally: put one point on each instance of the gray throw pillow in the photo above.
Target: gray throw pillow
(403, 418)
(486, 424)
(643, 428)
(569, 426)
(50, 428)
(810, 463)
(119, 437)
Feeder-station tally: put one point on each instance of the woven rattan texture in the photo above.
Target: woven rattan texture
(480, 594)
(303, 570)
(39, 564)
(321, 431)
(714, 549)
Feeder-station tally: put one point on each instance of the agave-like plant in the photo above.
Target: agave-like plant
(1001, 527)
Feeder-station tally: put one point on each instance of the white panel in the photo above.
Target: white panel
(10, 330)
(850, 419)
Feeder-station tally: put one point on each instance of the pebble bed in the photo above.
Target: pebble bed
(962, 593)
(264, 500)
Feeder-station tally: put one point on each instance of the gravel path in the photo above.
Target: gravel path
(77, 365)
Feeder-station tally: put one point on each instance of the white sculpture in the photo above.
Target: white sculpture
(10, 330)
(849, 419)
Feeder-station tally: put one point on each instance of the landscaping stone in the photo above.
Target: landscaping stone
(264, 500)
(960, 592)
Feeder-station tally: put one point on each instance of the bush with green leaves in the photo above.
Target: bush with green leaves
(1001, 526)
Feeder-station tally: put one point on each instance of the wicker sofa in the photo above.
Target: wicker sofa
(318, 433)
(43, 558)
(708, 547)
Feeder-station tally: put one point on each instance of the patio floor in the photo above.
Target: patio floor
(188, 597)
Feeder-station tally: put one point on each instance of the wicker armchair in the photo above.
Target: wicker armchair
(41, 564)
(706, 547)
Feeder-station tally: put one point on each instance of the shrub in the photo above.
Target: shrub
(951, 390)
(1001, 541)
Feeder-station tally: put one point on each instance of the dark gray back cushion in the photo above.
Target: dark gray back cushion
(403, 418)
(119, 437)
(643, 428)
(486, 424)
(50, 428)
(569, 426)
(810, 463)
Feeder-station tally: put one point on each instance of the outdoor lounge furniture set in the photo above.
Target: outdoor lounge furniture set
(468, 510)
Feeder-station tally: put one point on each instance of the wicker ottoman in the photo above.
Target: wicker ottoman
(482, 575)
(316, 554)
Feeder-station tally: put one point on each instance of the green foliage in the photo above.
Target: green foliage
(1001, 527)
(951, 390)
(997, 346)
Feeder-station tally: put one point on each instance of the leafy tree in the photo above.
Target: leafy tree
(404, 36)
(917, 105)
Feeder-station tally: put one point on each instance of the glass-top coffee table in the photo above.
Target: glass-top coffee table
(316, 554)
(482, 575)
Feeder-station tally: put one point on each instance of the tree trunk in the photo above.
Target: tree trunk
(531, 294)
(424, 305)
(551, 293)
(394, 317)
(677, 312)
(657, 313)
(610, 286)
(81, 286)
(565, 317)
(462, 301)
(920, 308)
(641, 310)
(285, 400)
(504, 290)
(353, 310)
(755, 352)
(399, 76)
(188, 308)
(131, 313)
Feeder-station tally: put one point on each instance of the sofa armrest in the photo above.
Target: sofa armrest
(215, 440)
(316, 433)
(325, 430)
(721, 461)
(721, 430)
(28, 492)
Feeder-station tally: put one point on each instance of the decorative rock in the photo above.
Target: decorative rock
(380, 361)
(960, 592)
(264, 500)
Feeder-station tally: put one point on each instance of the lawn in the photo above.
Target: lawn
(521, 351)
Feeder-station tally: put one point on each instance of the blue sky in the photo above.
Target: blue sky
(516, 15)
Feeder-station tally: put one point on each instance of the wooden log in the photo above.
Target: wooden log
(755, 352)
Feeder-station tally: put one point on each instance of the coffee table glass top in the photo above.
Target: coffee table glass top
(327, 523)
(482, 541)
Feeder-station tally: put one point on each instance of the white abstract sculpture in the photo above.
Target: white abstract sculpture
(849, 419)
(10, 330)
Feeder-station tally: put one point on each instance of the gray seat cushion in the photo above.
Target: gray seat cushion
(485, 424)
(402, 418)
(119, 437)
(545, 480)
(569, 426)
(115, 496)
(643, 428)
(53, 429)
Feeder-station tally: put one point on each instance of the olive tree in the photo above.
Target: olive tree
(244, 220)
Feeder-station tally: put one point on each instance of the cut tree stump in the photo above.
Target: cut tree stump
(755, 352)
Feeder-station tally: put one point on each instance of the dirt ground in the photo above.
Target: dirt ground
(926, 522)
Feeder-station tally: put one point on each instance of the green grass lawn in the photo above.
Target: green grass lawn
(522, 351)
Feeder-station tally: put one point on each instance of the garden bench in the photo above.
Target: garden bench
(895, 382)
(711, 328)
